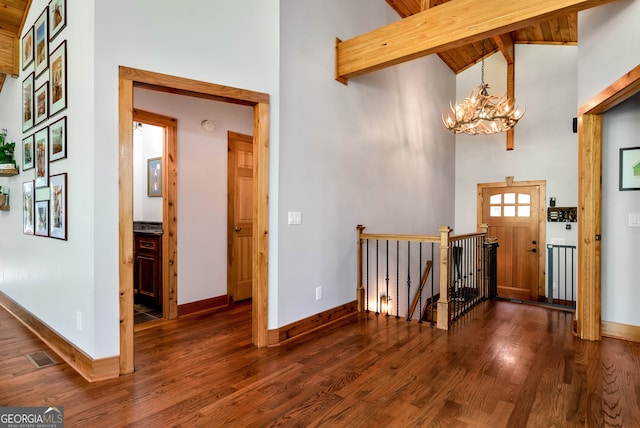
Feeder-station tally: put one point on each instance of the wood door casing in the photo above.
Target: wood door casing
(240, 217)
(520, 233)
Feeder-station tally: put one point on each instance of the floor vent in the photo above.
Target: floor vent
(41, 359)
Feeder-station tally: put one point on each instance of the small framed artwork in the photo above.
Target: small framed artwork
(41, 98)
(41, 157)
(42, 218)
(58, 206)
(57, 17)
(27, 208)
(154, 177)
(42, 44)
(27, 103)
(58, 79)
(630, 168)
(58, 140)
(27, 48)
(42, 194)
(27, 152)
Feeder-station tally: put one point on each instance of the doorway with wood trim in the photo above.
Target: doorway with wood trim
(168, 241)
(514, 212)
(127, 79)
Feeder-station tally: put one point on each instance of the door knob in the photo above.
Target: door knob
(533, 250)
(534, 242)
(238, 229)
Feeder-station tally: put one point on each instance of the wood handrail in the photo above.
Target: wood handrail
(393, 237)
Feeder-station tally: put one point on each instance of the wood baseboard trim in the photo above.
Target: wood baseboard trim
(93, 370)
(307, 325)
(620, 331)
(204, 306)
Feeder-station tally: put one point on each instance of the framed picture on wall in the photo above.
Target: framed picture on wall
(27, 48)
(630, 168)
(58, 79)
(41, 44)
(58, 206)
(41, 99)
(42, 157)
(27, 152)
(154, 177)
(57, 17)
(42, 218)
(27, 103)
(27, 207)
(58, 140)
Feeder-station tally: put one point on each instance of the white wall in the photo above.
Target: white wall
(609, 46)
(620, 243)
(545, 146)
(229, 43)
(372, 152)
(202, 187)
(147, 143)
(51, 278)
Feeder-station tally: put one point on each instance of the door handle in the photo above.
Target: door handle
(238, 229)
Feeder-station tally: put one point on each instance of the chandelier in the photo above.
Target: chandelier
(481, 113)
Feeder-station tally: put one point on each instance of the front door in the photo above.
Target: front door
(513, 214)
(240, 216)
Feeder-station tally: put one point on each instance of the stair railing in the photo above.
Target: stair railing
(561, 276)
(401, 271)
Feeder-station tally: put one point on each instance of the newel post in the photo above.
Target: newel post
(482, 261)
(444, 318)
(359, 287)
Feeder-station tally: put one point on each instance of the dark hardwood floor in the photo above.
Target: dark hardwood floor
(503, 365)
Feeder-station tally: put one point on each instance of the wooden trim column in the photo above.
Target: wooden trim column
(260, 288)
(125, 201)
(444, 317)
(589, 226)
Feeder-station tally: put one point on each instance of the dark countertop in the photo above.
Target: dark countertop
(148, 232)
(147, 227)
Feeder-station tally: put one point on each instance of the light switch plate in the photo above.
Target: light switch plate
(295, 217)
(634, 220)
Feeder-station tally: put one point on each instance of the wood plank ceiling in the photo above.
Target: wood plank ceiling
(562, 30)
(13, 14)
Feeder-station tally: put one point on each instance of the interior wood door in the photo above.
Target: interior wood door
(240, 217)
(513, 215)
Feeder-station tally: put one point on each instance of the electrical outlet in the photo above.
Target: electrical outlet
(79, 320)
(318, 293)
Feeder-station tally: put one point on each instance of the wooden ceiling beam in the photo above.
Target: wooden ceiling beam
(9, 54)
(505, 44)
(448, 26)
(427, 4)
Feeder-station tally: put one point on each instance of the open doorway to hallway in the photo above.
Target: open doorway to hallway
(128, 78)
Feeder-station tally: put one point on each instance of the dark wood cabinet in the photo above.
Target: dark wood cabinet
(147, 285)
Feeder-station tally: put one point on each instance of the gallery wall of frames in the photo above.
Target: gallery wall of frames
(44, 126)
